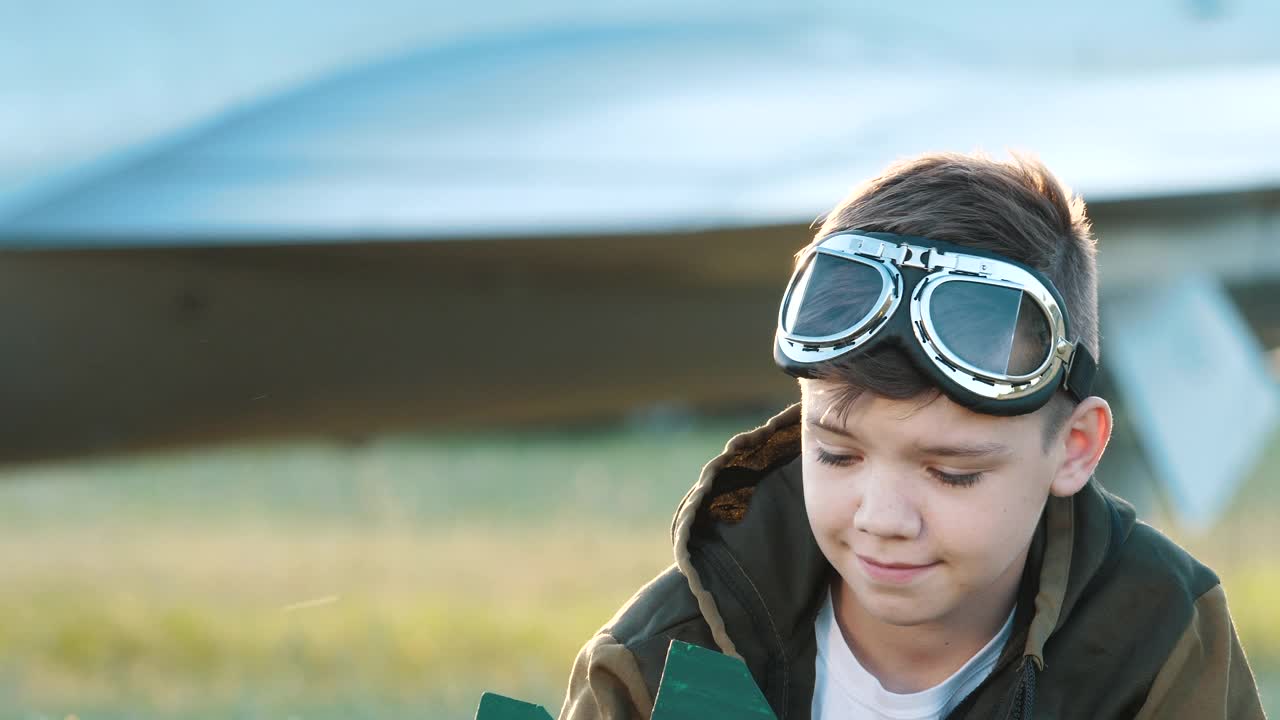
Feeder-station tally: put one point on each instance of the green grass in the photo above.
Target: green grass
(397, 578)
(184, 619)
(315, 579)
(635, 475)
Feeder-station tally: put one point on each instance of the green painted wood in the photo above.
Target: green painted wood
(701, 684)
(499, 707)
(697, 684)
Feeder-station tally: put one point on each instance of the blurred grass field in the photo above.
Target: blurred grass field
(394, 578)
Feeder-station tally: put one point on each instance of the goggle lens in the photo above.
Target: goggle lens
(831, 296)
(999, 330)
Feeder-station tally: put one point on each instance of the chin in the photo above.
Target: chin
(905, 609)
(900, 612)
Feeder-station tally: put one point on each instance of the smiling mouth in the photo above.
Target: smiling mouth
(893, 572)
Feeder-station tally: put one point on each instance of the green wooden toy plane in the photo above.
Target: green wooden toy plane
(697, 684)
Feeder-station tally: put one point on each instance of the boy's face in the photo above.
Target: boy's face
(927, 512)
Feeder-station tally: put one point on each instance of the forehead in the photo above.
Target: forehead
(929, 415)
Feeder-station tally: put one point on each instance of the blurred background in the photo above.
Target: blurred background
(338, 337)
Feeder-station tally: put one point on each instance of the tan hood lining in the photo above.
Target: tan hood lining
(1055, 571)
(682, 527)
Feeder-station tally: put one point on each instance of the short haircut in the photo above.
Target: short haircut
(1016, 208)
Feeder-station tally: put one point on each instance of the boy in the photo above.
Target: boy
(921, 536)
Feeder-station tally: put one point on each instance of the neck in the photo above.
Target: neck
(911, 658)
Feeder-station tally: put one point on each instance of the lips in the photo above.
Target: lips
(896, 573)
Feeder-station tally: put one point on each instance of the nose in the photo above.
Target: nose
(884, 510)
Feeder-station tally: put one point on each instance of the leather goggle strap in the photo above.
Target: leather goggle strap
(1080, 376)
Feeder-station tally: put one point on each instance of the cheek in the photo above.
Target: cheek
(826, 499)
(990, 527)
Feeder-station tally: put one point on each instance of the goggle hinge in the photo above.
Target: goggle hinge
(914, 256)
(1066, 351)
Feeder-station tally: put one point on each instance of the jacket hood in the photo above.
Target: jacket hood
(745, 520)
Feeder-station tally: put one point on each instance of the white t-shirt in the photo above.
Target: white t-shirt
(845, 690)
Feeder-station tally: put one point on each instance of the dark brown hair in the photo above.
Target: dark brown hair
(1015, 208)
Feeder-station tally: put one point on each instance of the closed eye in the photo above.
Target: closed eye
(957, 480)
(833, 459)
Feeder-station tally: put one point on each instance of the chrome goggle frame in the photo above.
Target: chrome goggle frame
(941, 267)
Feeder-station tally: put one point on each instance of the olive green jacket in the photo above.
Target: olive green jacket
(1114, 620)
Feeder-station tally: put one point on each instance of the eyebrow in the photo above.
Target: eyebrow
(829, 427)
(975, 450)
(965, 450)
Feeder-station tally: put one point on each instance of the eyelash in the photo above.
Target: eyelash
(966, 480)
(837, 460)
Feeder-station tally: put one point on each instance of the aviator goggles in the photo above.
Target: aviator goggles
(992, 333)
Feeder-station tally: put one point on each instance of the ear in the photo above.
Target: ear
(1082, 440)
